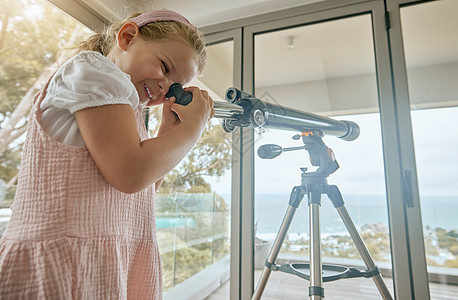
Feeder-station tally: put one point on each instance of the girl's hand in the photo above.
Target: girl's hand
(199, 111)
(170, 119)
(130, 164)
(155, 102)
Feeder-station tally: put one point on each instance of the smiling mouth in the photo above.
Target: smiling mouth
(148, 93)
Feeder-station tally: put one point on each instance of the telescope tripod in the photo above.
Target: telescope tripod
(314, 184)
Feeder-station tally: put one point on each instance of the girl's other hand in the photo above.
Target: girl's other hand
(199, 111)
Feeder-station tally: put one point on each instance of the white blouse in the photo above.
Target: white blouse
(88, 79)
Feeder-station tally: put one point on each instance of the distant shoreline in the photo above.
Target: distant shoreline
(437, 212)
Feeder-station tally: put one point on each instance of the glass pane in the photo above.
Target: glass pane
(193, 207)
(431, 50)
(326, 69)
(33, 33)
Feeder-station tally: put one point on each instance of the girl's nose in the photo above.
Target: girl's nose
(164, 85)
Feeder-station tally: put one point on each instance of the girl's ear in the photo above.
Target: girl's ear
(128, 33)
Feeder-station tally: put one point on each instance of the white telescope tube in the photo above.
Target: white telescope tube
(245, 110)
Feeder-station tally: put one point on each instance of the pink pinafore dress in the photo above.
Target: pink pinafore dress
(71, 234)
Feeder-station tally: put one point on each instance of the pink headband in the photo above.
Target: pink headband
(158, 15)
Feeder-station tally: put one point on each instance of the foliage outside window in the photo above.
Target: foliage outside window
(192, 219)
(32, 34)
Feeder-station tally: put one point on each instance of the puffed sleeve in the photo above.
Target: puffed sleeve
(89, 79)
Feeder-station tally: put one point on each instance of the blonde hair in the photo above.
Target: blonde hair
(103, 41)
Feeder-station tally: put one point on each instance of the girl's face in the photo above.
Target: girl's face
(153, 65)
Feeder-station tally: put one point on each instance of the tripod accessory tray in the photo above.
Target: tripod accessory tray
(330, 272)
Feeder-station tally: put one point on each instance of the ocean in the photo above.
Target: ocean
(437, 212)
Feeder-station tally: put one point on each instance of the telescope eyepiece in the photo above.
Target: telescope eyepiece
(181, 97)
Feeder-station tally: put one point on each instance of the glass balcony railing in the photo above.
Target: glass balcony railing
(193, 234)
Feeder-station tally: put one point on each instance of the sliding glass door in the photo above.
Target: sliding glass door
(430, 43)
(326, 68)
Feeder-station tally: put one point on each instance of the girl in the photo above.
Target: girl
(83, 223)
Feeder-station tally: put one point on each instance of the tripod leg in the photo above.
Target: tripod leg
(316, 291)
(295, 199)
(336, 197)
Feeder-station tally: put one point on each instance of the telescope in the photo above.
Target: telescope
(245, 110)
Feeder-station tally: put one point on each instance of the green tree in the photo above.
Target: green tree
(210, 157)
(448, 240)
(31, 34)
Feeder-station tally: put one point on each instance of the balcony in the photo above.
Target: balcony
(213, 283)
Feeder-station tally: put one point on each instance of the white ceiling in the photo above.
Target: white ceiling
(326, 50)
(200, 13)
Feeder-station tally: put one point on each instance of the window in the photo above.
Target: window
(328, 69)
(431, 53)
(194, 203)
